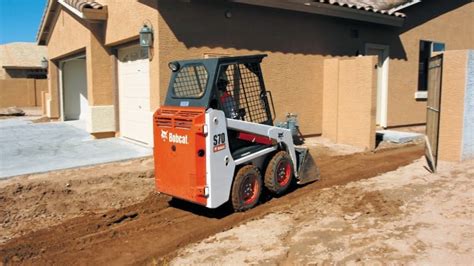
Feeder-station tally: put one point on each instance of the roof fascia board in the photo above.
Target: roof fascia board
(45, 21)
(52, 25)
(328, 10)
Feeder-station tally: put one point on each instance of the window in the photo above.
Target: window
(426, 51)
(241, 93)
(190, 82)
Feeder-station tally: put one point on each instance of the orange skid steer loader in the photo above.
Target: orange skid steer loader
(214, 138)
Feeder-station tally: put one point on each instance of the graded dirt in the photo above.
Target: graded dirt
(111, 214)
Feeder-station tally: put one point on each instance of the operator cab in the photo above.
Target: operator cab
(232, 84)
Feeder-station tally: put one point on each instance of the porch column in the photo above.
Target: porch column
(100, 84)
(52, 99)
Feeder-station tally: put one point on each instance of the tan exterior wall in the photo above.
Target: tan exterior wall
(3, 73)
(72, 36)
(125, 19)
(52, 97)
(452, 105)
(21, 92)
(330, 98)
(41, 86)
(68, 36)
(349, 106)
(296, 44)
(454, 28)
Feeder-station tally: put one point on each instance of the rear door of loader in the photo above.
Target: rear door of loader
(180, 148)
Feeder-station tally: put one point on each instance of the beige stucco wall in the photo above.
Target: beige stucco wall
(330, 98)
(21, 92)
(349, 106)
(452, 105)
(454, 28)
(72, 36)
(68, 36)
(125, 19)
(297, 45)
(41, 85)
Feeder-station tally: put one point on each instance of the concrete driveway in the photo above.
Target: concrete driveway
(27, 148)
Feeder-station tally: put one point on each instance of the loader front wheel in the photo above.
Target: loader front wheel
(246, 189)
(279, 173)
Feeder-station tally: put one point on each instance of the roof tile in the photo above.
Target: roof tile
(381, 7)
(83, 4)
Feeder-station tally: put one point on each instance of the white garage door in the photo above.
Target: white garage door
(136, 120)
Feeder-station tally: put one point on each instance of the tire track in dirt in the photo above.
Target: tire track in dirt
(154, 229)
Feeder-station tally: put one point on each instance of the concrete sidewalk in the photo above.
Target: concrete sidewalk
(27, 148)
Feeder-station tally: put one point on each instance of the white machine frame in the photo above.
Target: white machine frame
(220, 173)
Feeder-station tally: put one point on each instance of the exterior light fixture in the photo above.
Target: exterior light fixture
(44, 63)
(146, 36)
(174, 66)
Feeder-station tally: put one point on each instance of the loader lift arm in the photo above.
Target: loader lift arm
(281, 135)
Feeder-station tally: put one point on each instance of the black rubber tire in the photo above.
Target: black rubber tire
(272, 173)
(241, 180)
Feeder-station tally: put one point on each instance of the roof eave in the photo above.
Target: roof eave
(328, 10)
(87, 14)
(22, 67)
(51, 13)
(43, 32)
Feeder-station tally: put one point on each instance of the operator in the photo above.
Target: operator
(227, 101)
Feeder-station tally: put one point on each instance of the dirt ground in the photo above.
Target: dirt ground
(110, 214)
(32, 202)
(407, 216)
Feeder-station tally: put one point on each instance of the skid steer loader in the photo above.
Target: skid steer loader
(214, 138)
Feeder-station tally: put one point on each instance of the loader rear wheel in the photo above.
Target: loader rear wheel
(246, 189)
(279, 173)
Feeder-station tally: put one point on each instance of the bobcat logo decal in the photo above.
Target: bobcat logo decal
(164, 135)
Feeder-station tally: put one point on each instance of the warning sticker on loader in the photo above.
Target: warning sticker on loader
(219, 142)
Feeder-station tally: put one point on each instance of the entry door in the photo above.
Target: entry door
(381, 51)
(74, 80)
(136, 121)
(435, 69)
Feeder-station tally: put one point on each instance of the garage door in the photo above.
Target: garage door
(76, 105)
(134, 95)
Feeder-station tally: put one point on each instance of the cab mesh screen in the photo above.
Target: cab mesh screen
(190, 82)
(240, 88)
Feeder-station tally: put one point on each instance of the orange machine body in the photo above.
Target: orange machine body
(180, 152)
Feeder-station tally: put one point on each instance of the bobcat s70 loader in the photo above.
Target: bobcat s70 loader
(214, 138)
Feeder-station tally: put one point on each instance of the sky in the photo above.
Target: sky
(20, 19)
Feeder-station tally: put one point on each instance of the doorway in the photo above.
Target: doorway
(75, 104)
(382, 53)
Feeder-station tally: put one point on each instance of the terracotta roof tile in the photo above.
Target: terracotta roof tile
(83, 4)
(381, 7)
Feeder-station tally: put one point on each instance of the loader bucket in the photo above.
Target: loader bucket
(308, 171)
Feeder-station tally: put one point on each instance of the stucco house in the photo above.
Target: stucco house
(22, 60)
(99, 73)
(22, 74)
